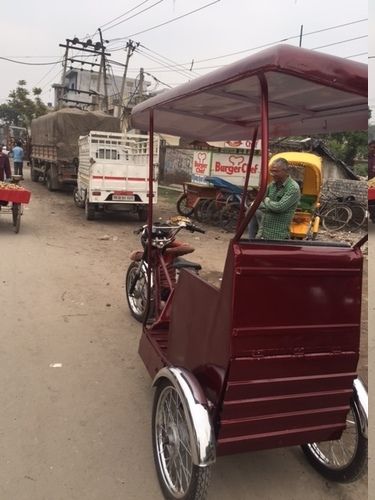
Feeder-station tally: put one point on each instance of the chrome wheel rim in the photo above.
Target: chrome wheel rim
(138, 299)
(172, 441)
(338, 454)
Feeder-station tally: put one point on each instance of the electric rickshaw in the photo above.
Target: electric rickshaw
(307, 171)
(231, 373)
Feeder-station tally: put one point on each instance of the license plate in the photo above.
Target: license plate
(122, 197)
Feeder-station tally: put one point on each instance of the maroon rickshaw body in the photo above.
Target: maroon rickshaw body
(276, 348)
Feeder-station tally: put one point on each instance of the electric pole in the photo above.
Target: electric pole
(86, 46)
(131, 46)
(300, 35)
(104, 72)
(141, 80)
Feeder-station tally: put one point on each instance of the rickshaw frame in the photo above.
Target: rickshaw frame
(262, 378)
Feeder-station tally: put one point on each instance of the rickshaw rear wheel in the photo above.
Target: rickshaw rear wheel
(182, 207)
(179, 478)
(345, 459)
(16, 215)
(138, 302)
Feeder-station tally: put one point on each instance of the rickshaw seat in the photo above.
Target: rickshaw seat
(307, 202)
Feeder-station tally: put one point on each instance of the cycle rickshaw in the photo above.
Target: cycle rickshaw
(270, 359)
(307, 170)
(12, 198)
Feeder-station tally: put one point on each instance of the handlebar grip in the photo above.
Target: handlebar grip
(198, 230)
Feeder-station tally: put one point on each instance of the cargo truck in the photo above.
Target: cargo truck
(54, 139)
(113, 173)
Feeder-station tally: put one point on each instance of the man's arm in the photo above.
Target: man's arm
(290, 198)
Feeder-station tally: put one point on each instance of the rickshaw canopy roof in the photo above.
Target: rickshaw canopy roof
(308, 93)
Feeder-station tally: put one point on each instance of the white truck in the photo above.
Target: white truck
(113, 173)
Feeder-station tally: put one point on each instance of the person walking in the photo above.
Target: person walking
(5, 171)
(18, 154)
(279, 204)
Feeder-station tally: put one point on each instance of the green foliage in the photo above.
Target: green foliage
(21, 108)
(347, 146)
(361, 169)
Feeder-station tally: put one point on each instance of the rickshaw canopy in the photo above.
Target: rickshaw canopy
(308, 93)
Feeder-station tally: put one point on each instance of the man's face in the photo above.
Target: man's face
(371, 149)
(278, 173)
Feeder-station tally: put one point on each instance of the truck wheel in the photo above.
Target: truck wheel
(78, 201)
(34, 174)
(142, 214)
(89, 210)
(49, 182)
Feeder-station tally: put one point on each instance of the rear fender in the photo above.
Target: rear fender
(360, 398)
(196, 410)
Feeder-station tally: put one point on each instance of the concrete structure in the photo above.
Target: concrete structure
(82, 85)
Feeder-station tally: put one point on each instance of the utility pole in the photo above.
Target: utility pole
(104, 67)
(131, 46)
(141, 80)
(92, 48)
(300, 35)
(61, 91)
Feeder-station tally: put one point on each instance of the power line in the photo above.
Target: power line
(280, 41)
(167, 22)
(134, 15)
(169, 60)
(124, 14)
(338, 43)
(30, 64)
(165, 65)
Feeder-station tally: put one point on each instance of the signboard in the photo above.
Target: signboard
(201, 166)
(233, 168)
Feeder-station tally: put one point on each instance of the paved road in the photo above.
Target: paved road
(75, 398)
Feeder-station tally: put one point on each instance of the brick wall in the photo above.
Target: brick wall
(346, 187)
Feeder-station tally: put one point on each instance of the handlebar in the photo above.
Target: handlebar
(195, 229)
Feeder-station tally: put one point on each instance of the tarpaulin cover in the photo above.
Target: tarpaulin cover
(62, 129)
(20, 195)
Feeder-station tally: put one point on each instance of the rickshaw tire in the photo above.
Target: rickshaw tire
(356, 467)
(182, 209)
(201, 476)
(139, 317)
(16, 215)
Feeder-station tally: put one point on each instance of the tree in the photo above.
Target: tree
(347, 146)
(21, 108)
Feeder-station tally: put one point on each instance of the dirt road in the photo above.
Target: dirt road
(75, 398)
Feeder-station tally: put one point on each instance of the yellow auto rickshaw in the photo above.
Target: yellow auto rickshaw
(306, 169)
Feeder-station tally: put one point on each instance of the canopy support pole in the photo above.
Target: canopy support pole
(264, 164)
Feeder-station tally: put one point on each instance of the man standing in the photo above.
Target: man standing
(5, 172)
(280, 203)
(18, 159)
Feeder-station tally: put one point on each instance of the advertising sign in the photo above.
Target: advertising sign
(233, 168)
(201, 166)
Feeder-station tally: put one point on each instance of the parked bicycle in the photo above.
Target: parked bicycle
(339, 212)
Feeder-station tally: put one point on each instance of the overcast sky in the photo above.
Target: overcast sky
(33, 30)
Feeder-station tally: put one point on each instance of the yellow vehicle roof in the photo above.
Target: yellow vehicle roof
(312, 165)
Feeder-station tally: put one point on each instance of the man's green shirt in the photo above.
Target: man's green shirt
(278, 207)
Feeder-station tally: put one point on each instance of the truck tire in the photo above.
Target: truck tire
(89, 210)
(49, 181)
(142, 214)
(33, 173)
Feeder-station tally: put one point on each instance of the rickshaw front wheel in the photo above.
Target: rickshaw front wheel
(343, 460)
(179, 478)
